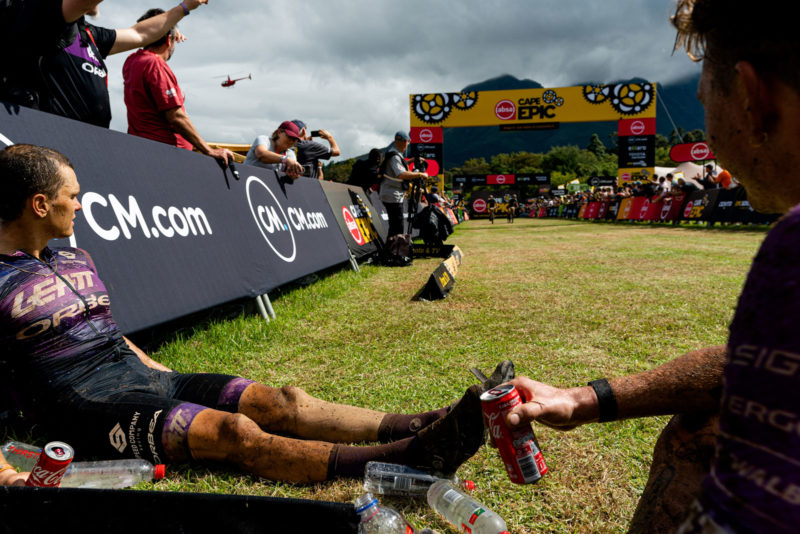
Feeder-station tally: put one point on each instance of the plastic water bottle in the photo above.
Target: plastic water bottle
(394, 479)
(111, 474)
(463, 511)
(21, 455)
(108, 474)
(376, 519)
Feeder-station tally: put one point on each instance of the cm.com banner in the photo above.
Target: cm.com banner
(172, 233)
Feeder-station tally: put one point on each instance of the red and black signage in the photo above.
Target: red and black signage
(637, 151)
(699, 151)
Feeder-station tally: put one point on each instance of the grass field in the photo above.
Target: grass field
(568, 301)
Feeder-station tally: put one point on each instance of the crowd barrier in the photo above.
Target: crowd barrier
(173, 233)
(710, 205)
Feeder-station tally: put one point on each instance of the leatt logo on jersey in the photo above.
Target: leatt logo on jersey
(47, 291)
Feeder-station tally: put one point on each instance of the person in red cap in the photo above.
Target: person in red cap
(155, 101)
(273, 152)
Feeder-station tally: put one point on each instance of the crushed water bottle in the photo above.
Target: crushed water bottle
(377, 519)
(463, 511)
(107, 474)
(394, 479)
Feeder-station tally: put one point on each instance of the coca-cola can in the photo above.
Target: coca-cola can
(517, 446)
(51, 465)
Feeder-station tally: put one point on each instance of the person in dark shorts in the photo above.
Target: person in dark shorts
(491, 206)
(68, 367)
(729, 461)
(513, 206)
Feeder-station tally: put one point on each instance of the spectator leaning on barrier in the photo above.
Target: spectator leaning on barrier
(155, 100)
(395, 173)
(274, 152)
(729, 461)
(310, 152)
(366, 172)
(30, 29)
(75, 78)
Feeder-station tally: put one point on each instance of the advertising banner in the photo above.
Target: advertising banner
(691, 152)
(354, 221)
(172, 233)
(499, 179)
(512, 107)
(700, 204)
(637, 151)
(636, 127)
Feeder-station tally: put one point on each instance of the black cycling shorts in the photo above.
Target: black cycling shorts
(128, 410)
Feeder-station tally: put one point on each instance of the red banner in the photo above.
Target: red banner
(636, 127)
(427, 135)
(499, 179)
(691, 152)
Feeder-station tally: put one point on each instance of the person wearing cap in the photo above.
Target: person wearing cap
(274, 152)
(395, 172)
(309, 152)
(155, 100)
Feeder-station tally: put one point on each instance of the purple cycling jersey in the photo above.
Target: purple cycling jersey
(754, 484)
(55, 319)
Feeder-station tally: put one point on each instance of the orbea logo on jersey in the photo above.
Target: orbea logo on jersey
(277, 225)
(505, 110)
(479, 205)
(352, 226)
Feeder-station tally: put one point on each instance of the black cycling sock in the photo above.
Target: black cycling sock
(396, 426)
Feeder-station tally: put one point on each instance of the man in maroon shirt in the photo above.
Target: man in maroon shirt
(155, 100)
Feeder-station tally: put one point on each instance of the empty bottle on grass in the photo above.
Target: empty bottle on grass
(463, 511)
(395, 479)
(107, 474)
(377, 519)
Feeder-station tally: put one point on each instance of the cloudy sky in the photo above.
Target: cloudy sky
(349, 67)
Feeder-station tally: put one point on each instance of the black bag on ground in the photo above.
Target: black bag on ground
(397, 251)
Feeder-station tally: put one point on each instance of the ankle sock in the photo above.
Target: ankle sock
(396, 426)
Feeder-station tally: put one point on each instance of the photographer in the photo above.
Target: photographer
(309, 153)
(273, 152)
(395, 173)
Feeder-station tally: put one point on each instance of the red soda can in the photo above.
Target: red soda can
(51, 465)
(517, 446)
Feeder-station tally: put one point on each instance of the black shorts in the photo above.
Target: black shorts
(128, 410)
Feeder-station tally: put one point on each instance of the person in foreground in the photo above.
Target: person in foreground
(9, 475)
(729, 461)
(67, 365)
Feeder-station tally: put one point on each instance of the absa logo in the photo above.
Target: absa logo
(425, 135)
(271, 219)
(352, 226)
(479, 205)
(505, 110)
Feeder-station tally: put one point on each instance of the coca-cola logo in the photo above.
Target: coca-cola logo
(637, 127)
(46, 478)
(352, 226)
(700, 151)
(425, 135)
(505, 110)
(495, 425)
(479, 205)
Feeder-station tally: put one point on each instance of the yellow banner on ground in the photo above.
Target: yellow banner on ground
(586, 103)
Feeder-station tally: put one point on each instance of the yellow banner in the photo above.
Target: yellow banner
(635, 174)
(587, 103)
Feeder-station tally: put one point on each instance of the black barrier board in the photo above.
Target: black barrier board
(355, 223)
(441, 251)
(442, 279)
(172, 233)
(700, 204)
(36, 510)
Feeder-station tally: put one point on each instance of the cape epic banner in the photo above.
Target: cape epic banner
(564, 104)
(172, 233)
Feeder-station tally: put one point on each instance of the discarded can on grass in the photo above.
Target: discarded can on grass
(517, 446)
(51, 465)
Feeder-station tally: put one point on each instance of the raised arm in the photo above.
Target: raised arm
(152, 29)
(688, 384)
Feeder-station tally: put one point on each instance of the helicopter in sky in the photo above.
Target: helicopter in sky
(230, 82)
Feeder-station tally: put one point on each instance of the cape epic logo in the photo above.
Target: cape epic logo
(352, 226)
(271, 220)
(505, 110)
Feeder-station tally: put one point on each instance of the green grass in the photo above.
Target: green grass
(567, 301)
